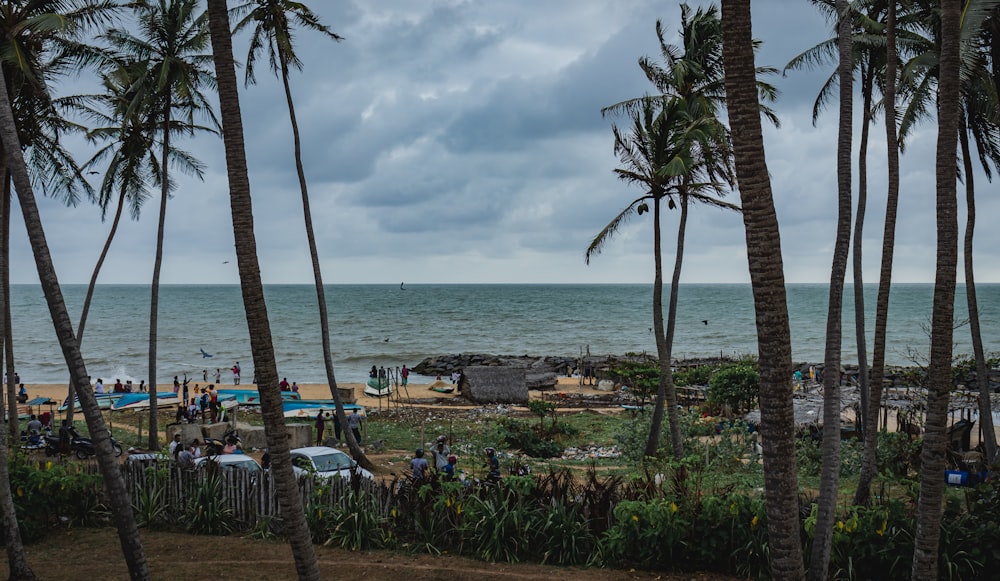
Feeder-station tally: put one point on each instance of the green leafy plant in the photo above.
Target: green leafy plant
(736, 385)
(208, 512)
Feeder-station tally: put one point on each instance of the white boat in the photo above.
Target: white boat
(378, 387)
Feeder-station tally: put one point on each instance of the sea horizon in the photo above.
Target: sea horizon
(385, 325)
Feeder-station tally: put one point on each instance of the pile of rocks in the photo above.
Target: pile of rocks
(591, 452)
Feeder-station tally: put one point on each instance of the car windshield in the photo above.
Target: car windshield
(247, 464)
(331, 462)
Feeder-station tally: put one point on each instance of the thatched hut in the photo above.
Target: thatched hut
(495, 384)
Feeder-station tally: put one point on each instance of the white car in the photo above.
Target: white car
(232, 462)
(325, 462)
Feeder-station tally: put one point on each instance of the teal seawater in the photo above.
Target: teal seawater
(390, 326)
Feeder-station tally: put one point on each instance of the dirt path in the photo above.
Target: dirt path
(95, 554)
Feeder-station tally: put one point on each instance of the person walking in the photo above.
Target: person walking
(354, 424)
(320, 428)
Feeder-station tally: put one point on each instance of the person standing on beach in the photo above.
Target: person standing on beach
(283, 384)
(354, 424)
(295, 387)
(142, 386)
(218, 376)
(213, 404)
(177, 386)
(405, 374)
(236, 373)
(99, 386)
(204, 375)
(320, 428)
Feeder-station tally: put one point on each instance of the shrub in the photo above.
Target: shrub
(736, 385)
(54, 494)
(208, 513)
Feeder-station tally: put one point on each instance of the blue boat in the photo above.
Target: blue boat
(104, 401)
(252, 396)
(308, 408)
(133, 401)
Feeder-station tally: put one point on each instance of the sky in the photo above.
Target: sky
(461, 141)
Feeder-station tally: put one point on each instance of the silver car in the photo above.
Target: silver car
(325, 462)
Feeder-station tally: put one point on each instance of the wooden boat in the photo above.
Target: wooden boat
(442, 389)
(308, 408)
(252, 396)
(135, 401)
(378, 387)
(104, 401)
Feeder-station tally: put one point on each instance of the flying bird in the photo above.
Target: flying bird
(93, 173)
(205, 355)
(401, 286)
(225, 262)
(704, 321)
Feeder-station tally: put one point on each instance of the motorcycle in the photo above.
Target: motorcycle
(214, 446)
(79, 445)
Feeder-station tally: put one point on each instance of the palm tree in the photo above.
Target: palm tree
(272, 22)
(768, 283)
(869, 456)
(296, 529)
(37, 43)
(17, 560)
(939, 379)
(693, 73)
(128, 532)
(830, 471)
(668, 151)
(172, 38)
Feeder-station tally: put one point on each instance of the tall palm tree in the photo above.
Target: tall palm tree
(172, 37)
(674, 151)
(128, 532)
(273, 22)
(17, 560)
(38, 41)
(296, 529)
(869, 456)
(694, 73)
(768, 284)
(830, 471)
(979, 104)
(939, 379)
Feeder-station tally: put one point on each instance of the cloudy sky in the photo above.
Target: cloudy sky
(461, 141)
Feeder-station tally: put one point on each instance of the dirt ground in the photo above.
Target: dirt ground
(95, 554)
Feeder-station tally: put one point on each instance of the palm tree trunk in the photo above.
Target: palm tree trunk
(877, 375)
(6, 328)
(114, 483)
(352, 444)
(666, 394)
(90, 291)
(296, 529)
(767, 280)
(939, 379)
(17, 561)
(154, 295)
(989, 437)
(830, 472)
(867, 83)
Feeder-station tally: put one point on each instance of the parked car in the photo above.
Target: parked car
(325, 462)
(232, 462)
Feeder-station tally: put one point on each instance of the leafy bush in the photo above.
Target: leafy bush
(640, 378)
(54, 494)
(208, 513)
(700, 375)
(736, 385)
(518, 435)
(648, 534)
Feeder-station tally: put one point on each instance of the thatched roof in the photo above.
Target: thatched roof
(496, 384)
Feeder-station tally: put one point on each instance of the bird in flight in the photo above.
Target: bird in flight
(704, 321)
(225, 262)
(205, 355)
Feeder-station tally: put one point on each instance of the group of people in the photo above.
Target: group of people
(284, 385)
(120, 387)
(185, 455)
(445, 462)
(206, 406)
(353, 424)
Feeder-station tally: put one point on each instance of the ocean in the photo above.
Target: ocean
(389, 326)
